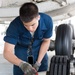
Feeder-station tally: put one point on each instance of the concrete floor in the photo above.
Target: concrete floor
(6, 67)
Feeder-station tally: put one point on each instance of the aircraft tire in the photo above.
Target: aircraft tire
(63, 41)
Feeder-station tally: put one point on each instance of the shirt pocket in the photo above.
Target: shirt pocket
(38, 39)
(41, 35)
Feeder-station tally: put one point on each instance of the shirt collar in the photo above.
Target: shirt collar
(41, 27)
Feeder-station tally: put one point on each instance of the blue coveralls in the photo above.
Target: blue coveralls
(18, 35)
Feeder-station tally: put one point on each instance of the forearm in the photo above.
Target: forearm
(9, 55)
(24, 66)
(12, 58)
(43, 49)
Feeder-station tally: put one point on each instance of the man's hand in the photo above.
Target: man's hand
(36, 66)
(27, 68)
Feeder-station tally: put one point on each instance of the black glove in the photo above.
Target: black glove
(36, 66)
(27, 68)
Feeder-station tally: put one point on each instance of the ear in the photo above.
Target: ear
(38, 17)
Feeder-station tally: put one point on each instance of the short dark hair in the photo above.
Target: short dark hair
(28, 11)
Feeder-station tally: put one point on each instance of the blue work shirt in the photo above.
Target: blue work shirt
(18, 35)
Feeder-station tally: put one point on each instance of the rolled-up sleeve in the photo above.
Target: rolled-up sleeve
(12, 34)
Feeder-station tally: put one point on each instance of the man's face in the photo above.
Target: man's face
(32, 26)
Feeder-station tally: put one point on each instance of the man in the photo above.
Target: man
(29, 36)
